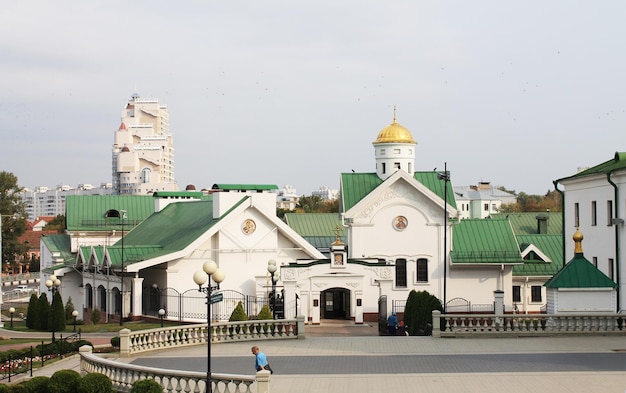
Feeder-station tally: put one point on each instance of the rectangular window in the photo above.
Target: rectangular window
(401, 273)
(611, 269)
(384, 168)
(576, 214)
(595, 261)
(422, 270)
(535, 294)
(493, 207)
(609, 212)
(594, 214)
(486, 207)
(517, 294)
(396, 165)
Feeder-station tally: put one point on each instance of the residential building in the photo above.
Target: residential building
(481, 201)
(287, 198)
(326, 193)
(43, 201)
(143, 149)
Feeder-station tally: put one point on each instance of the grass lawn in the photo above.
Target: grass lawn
(20, 326)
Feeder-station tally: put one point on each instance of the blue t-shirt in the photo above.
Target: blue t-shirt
(261, 360)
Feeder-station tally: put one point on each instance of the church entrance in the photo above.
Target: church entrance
(335, 303)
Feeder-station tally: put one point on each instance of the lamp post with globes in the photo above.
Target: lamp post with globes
(210, 271)
(11, 311)
(74, 314)
(161, 315)
(53, 284)
(271, 268)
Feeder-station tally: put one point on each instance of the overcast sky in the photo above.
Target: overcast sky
(287, 92)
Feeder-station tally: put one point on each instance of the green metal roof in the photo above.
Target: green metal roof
(476, 241)
(526, 223)
(356, 186)
(550, 245)
(59, 246)
(580, 273)
(87, 212)
(170, 230)
(245, 187)
(179, 194)
(317, 228)
(618, 162)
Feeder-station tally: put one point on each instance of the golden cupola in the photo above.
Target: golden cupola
(394, 150)
(394, 133)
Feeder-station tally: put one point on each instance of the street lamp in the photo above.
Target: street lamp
(445, 176)
(123, 214)
(161, 314)
(209, 270)
(11, 311)
(53, 284)
(74, 314)
(271, 268)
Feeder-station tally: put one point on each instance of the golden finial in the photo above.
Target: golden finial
(338, 232)
(578, 242)
(394, 114)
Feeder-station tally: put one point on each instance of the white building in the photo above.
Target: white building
(43, 201)
(481, 201)
(326, 193)
(594, 202)
(143, 149)
(287, 198)
(393, 234)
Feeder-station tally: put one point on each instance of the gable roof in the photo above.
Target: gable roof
(87, 212)
(550, 245)
(477, 241)
(316, 228)
(59, 247)
(580, 273)
(172, 229)
(356, 186)
(618, 162)
(526, 223)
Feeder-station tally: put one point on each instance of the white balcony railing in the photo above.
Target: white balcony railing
(455, 325)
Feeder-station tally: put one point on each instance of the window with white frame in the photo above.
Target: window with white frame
(535, 294)
(422, 270)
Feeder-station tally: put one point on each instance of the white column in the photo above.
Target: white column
(137, 297)
(316, 306)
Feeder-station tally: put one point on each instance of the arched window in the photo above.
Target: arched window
(422, 270)
(401, 273)
(145, 175)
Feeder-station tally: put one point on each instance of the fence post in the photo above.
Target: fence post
(263, 381)
(87, 349)
(42, 353)
(31, 360)
(436, 324)
(125, 343)
(300, 326)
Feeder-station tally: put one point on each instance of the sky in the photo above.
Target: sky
(286, 92)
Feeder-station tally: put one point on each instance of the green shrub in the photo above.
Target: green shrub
(115, 342)
(37, 385)
(32, 311)
(64, 381)
(4, 388)
(95, 383)
(96, 315)
(146, 386)
(18, 388)
(57, 314)
(69, 308)
(418, 312)
(239, 314)
(43, 313)
(265, 313)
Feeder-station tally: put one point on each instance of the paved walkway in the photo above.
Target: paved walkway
(366, 344)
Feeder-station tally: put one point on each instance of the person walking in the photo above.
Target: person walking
(392, 324)
(260, 360)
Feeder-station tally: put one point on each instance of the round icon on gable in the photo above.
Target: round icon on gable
(248, 227)
(400, 223)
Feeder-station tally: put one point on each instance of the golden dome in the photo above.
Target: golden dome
(578, 240)
(394, 133)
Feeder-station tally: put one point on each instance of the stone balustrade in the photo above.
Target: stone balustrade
(459, 325)
(123, 376)
(132, 343)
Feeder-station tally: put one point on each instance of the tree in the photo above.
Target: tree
(57, 314)
(418, 312)
(13, 222)
(43, 312)
(32, 311)
(315, 204)
(57, 224)
(238, 314)
(69, 307)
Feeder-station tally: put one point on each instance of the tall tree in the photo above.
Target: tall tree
(43, 312)
(13, 212)
(57, 314)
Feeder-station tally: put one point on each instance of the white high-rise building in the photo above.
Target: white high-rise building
(43, 201)
(143, 151)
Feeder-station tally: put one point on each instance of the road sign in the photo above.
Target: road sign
(218, 297)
